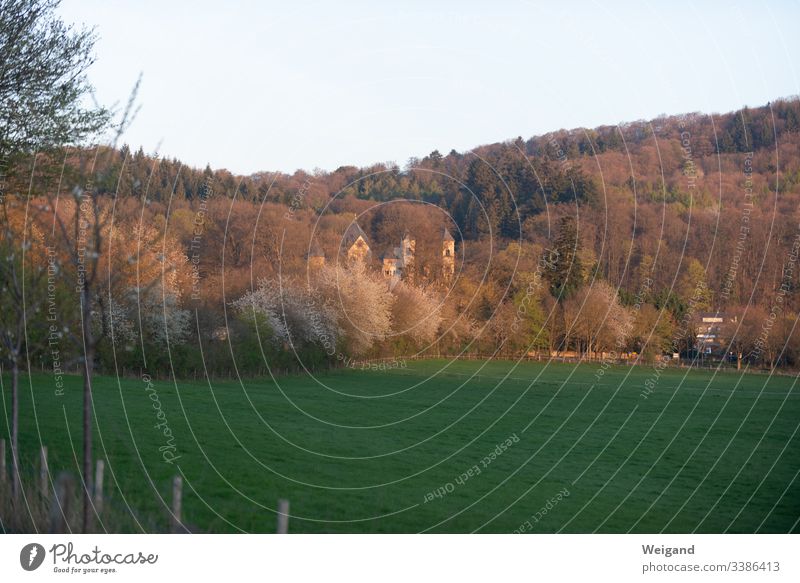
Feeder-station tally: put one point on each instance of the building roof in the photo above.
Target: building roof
(716, 316)
(352, 234)
(446, 236)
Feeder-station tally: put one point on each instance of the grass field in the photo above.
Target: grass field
(364, 451)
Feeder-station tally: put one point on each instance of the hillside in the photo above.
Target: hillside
(666, 218)
(668, 189)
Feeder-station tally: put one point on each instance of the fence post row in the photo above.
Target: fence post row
(44, 475)
(177, 493)
(60, 507)
(3, 474)
(283, 516)
(98, 486)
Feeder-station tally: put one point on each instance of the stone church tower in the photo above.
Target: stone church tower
(399, 261)
(448, 254)
(408, 246)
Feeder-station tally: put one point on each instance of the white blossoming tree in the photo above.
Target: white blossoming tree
(291, 314)
(363, 305)
(416, 313)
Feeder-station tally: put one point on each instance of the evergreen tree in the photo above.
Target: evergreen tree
(566, 276)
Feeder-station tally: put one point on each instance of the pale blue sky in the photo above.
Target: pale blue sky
(254, 86)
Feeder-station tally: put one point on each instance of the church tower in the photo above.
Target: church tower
(448, 254)
(408, 247)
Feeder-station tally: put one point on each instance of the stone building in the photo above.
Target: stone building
(408, 247)
(396, 262)
(399, 261)
(355, 245)
(710, 331)
(448, 254)
(390, 262)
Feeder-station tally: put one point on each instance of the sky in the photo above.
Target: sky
(265, 86)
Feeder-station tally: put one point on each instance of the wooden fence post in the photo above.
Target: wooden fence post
(283, 516)
(177, 492)
(98, 486)
(44, 475)
(60, 505)
(3, 475)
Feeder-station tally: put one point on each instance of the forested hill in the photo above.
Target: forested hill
(677, 215)
(498, 187)
(652, 197)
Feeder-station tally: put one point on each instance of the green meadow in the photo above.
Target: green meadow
(438, 446)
